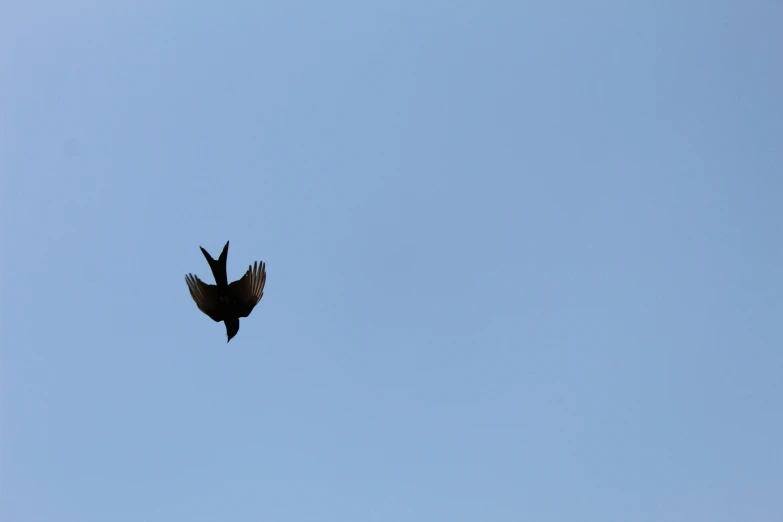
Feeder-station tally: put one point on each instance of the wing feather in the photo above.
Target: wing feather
(249, 290)
(205, 295)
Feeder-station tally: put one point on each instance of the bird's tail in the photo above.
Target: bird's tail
(218, 267)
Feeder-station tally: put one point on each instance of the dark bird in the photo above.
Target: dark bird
(228, 302)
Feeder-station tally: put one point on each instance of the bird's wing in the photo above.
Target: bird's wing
(206, 296)
(249, 290)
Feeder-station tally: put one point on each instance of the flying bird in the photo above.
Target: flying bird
(228, 302)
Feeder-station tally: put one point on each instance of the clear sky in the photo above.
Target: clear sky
(524, 261)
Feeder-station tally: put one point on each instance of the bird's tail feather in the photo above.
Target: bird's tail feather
(218, 266)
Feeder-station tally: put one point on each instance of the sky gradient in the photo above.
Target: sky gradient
(524, 261)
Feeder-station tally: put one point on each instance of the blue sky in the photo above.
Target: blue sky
(524, 261)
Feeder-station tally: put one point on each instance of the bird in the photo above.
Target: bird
(228, 302)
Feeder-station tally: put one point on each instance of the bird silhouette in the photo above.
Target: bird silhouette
(228, 302)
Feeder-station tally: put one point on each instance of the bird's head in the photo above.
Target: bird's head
(232, 327)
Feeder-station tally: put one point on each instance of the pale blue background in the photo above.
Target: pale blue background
(524, 261)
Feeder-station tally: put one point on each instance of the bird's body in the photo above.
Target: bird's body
(228, 302)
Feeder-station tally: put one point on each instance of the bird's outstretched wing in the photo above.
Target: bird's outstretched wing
(206, 296)
(249, 290)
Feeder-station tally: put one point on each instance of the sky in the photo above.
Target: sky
(524, 261)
